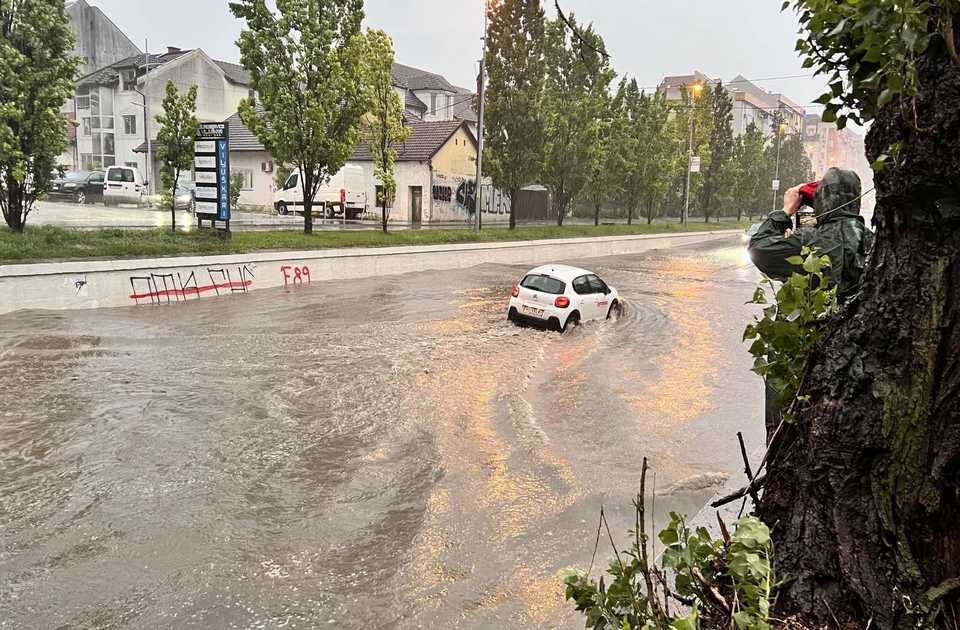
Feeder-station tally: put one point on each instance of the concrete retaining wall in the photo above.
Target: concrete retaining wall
(109, 283)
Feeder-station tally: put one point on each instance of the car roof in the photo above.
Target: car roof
(565, 273)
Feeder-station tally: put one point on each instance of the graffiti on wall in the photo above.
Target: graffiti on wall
(295, 275)
(161, 288)
(454, 198)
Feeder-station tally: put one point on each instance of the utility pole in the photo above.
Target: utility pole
(694, 91)
(777, 175)
(478, 221)
(146, 116)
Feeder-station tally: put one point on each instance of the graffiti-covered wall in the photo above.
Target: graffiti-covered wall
(453, 199)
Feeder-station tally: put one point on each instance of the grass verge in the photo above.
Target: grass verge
(51, 243)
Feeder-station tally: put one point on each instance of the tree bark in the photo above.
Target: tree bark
(629, 214)
(383, 213)
(513, 208)
(864, 491)
(596, 214)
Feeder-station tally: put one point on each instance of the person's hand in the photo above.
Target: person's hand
(788, 233)
(792, 200)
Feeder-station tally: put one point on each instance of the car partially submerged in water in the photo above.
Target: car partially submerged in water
(559, 297)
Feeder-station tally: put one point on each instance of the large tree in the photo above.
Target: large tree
(749, 188)
(577, 84)
(384, 128)
(607, 163)
(862, 491)
(306, 66)
(514, 125)
(37, 69)
(175, 140)
(720, 104)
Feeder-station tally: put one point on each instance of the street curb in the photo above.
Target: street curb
(85, 284)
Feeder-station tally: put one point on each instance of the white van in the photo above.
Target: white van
(123, 184)
(342, 196)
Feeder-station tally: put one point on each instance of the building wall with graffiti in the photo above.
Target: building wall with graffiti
(453, 199)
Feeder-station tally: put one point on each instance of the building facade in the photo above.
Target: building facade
(98, 41)
(115, 107)
(827, 146)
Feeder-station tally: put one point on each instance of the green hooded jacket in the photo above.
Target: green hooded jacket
(840, 233)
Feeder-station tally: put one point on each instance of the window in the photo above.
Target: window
(96, 178)
(247, 175)
(292, 182)
(582, 286)
(83, 97)
(433, 104)
(86, 126)
(130, 125)
(128, 80)
(545, 284)
(597, 285)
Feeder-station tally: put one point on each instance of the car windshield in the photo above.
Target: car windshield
(76, 176)
(545, 284)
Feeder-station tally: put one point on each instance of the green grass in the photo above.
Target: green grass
(50, 243)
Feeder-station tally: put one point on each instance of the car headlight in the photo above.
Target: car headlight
(69, 185)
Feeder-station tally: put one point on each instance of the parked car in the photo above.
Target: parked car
(343, 194)
(558, 297)
(78, 186)
(123, 184)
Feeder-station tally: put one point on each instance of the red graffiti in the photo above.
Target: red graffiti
(295, 275)
(232, 286)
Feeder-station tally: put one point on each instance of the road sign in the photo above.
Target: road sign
(695, 164)
(212, 169)
(776, 184)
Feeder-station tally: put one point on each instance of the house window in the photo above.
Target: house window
(433, 104)
(131, 164)
(83, 97)
(247, 175)
(130, 125)
(128, 80)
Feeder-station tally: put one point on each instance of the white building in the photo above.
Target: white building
(431, 98)
(113, 126)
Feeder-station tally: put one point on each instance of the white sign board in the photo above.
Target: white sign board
(695, 164)
(776, 184)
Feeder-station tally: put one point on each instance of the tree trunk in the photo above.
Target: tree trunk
(629, 214)
(173, 204)
(561, 209)
(596, 214)
(14, 205)
(307, 216)
(513, 208)
(383, 213)
(864, 491)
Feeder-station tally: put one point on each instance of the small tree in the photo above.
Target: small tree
(514, 129)
(36, 77)
(306, 66)
(608, 161)
(384, 128)
(236, 187)
(178, 131)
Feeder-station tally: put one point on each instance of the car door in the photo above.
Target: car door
(585, 298)
(131, 189)
(600, 296)
(114, 188)
(95, 187)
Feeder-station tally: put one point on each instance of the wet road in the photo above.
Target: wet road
(388, 453)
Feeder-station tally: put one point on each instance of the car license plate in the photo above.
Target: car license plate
(535, 312)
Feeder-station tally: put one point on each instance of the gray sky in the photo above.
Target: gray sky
(646, 38)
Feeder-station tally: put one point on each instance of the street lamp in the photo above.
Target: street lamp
(478, 223)
(695, 90)
(781, 128)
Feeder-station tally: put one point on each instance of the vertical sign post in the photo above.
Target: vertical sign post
(212, 169)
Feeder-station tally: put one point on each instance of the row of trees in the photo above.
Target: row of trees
(554, 115)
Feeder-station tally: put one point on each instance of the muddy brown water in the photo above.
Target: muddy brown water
(384, 453)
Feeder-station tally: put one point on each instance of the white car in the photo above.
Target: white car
(123, 184)
(559, 296)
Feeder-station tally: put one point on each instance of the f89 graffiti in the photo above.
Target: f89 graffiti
(295, 275)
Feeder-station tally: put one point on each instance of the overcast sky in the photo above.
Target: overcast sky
(647, 39)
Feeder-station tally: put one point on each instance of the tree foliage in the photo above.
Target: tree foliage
(608, 161)
(514, 126)
(748, 192)
(178, 131)
(37, 69)
(306, 66)
(384, 128)
(576, 89)
(718, 174)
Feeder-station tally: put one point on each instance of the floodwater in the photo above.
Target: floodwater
(385, 453)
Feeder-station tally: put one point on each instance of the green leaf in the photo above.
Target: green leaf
(795, 260)
(885, 97)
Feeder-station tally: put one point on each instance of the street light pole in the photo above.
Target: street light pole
(777, 175)
(694, 90)
(478, 221)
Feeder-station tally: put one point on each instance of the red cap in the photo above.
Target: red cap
(807, 191)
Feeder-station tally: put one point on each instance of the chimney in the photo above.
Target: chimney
(172, 50)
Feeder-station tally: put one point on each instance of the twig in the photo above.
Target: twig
(641, 534)
(835, 620)
(623, 570)
(576, 33)
(746, 468)
(723, 529)
(718, 599)
(742, 492)
(597, 543)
